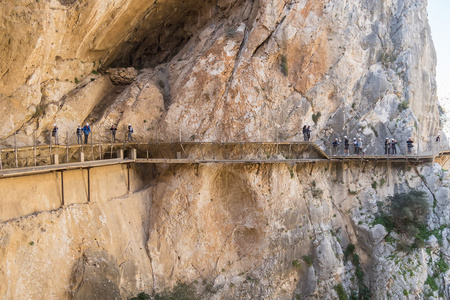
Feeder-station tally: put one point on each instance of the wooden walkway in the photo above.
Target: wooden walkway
(34, 160)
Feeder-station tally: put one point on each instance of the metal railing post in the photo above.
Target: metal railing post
(50, 146)
(92, 144)
(67, 147)
(34, 148)
(15, 149)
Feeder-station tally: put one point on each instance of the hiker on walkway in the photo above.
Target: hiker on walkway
(305, 134)
(387, 146)
(346, 146)
(438, 142)
(308, 132)
(55, 133)
(360, 149)
(113, 133)
(355, 144)
(130, 131)
(79, 134)
(87, 131)
(394, 147)
(335, 144)
(409, 145)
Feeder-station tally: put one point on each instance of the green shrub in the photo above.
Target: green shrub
(409, 211)
(349, 251)
(403, 105)
(141, 296)
(77, 81)
(374, 185)
(382, 182)
(308, 260)
(40, 111)
(385, 221)
(296, 264)
(341, 292)
(181, 291)
(350, 192)
(431, 283)
(284, 65)
(316, 116)
(442, 266)
(406, 213)
(94, 72)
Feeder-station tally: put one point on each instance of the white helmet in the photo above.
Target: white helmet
(87, 124)
(345, 136)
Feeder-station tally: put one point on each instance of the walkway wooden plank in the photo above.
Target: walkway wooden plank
(227, 161)
(307, 152)
(62, 167)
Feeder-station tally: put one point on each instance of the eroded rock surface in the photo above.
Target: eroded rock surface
(225, 71)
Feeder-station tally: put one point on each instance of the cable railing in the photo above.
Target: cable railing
(29, 151)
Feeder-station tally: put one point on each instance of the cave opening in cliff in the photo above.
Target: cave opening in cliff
(162, 32)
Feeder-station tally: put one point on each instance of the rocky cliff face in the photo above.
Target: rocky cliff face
(239, 70)
(228, 71)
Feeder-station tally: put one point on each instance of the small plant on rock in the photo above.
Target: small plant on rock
(284, 65)
(316, 116)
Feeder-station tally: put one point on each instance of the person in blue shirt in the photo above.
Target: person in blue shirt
(87, 131)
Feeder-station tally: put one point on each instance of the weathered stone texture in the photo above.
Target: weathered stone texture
(221, 71)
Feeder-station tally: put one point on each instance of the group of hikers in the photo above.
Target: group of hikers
(390, 146)
(86, 131)
(357, 144)
(307, 132)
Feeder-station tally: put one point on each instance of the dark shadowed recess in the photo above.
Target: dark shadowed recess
(164, 29)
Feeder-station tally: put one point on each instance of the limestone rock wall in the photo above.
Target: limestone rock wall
(223, 71)
(269, 231)
(240, 70)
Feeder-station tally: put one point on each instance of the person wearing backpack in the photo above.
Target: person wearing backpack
(308, 132)
(79, 134)
(130, 131)
(305, 134)
(87, 131)
(346, 146)
(335, 144)
(355, 144)
(360, 147)
(387, 146)
(409, 145)
(55, 133)
(394, 147)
